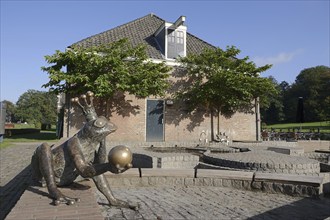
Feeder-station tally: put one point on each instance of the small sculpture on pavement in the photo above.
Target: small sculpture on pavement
(83, 154)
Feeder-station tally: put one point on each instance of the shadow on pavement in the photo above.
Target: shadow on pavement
(12, 191)
(306, 208)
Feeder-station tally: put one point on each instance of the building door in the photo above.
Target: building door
(155, 120)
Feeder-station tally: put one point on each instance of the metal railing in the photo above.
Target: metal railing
(293, 135)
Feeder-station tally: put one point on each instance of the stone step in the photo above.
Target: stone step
(288, 178)
(290, 184)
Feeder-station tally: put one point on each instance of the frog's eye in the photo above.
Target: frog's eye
(100, 122)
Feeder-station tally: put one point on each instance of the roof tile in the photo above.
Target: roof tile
(140, 31)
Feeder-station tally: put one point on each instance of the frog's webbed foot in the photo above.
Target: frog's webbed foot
(123, 204)
(66, 200)
(59, 198)
(134, 206)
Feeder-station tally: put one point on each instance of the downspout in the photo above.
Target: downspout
(68, 98)
(257, 111)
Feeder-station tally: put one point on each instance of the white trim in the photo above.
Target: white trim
(165, 52)
(185, 43)
(171, 26)
(169, 62)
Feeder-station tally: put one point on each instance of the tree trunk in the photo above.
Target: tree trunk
(212, 125)
(218, 122)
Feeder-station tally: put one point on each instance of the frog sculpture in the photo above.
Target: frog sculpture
(83, 155)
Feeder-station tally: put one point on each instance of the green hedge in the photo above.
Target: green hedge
(13, 132)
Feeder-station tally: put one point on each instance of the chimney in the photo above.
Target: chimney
(179, 22)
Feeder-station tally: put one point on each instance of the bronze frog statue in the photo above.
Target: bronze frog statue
(83, 155)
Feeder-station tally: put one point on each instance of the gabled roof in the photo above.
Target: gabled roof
(142, 31)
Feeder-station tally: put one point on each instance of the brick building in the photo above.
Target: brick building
(157, 119)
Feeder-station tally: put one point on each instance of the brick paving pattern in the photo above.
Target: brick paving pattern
(213, 203)
(35, 204)
(156, 202)
(14, 159)
(14, 174)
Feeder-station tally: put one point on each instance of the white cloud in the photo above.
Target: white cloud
(283, 57)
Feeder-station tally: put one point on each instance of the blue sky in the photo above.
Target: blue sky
(291, 35)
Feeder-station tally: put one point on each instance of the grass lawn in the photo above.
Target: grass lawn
(43, 136)
(305, 127)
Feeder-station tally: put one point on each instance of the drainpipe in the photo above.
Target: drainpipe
(68, 98)
(258, 125)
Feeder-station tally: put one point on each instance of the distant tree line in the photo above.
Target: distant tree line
(312, 85)
(34, 107)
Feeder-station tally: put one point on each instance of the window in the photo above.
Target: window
(179, 37)
(171, 36)
(175, 43)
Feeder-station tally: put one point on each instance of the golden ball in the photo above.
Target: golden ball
(120, 156)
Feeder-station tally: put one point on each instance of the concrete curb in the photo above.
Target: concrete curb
(294, 185)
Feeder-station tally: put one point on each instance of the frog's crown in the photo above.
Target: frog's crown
(87, 108)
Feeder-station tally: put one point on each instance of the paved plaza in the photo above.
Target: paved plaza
(156, 202)
(214, 203)
(14, 174)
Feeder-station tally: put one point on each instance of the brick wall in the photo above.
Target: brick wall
(129, 114)
(178, 126)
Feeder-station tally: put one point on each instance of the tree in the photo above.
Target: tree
(36, 107)
(106, 70)
(274, 112)
(10, 111)
(313, 85)
(224, 84)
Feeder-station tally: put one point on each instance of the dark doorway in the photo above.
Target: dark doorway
(155, 120)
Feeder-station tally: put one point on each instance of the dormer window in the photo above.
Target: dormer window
(171, 37)
(175, 43)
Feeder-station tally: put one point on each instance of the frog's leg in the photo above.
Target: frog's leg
(36, 174)
(104, 187)
(46, 167)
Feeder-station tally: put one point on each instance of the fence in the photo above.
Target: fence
(274, 135)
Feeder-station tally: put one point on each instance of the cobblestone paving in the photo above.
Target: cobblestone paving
(168, 202)
(213, 203)
(14, 159)
(14, 174)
